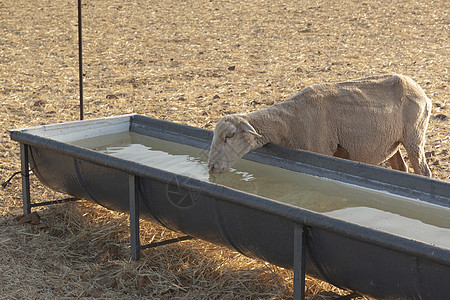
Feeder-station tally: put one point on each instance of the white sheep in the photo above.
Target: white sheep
(364, 120)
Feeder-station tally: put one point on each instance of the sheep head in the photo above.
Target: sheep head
(233, 138)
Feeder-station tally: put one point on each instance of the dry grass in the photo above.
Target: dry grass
(171, 60)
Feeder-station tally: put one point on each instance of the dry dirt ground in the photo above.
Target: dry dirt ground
(190, 62)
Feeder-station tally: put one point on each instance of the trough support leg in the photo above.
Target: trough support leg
(134, 219)
(25, 172)
(299, 261)
(135, 242)
(25, 179)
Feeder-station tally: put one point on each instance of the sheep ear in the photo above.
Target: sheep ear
(246, 127)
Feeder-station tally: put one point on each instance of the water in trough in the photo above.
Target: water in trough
(410, 218)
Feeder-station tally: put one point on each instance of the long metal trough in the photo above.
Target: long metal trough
(367, 260)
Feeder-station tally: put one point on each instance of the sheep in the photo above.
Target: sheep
(365, 120)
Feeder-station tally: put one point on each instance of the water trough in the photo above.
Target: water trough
(369, 229)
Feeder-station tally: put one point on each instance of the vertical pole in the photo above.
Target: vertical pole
(134, 218)
(80, 61)
(299, 261)
(25, 179)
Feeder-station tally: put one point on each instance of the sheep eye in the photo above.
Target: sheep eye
(229, 135)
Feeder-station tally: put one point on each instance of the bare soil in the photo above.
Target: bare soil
(190, 62)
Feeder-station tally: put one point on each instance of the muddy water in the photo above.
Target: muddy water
(379, 210)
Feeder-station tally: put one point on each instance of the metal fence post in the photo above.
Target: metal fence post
(25, 179)
(80, 60)
(299, 261)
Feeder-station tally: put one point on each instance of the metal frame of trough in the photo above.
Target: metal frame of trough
(304, 223)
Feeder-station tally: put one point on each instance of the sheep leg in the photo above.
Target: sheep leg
(417, 157)
(341, 152)
(397, 163)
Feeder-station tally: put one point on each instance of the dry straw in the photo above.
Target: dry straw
(190, 62)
